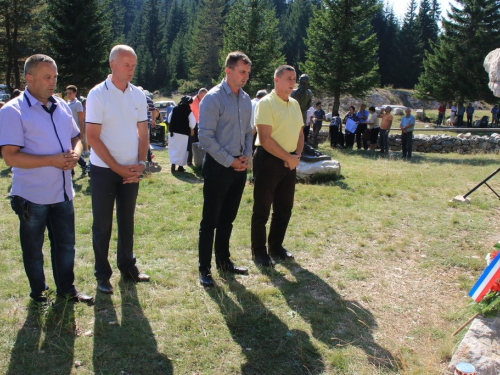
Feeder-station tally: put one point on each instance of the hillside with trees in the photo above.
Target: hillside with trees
(347, 47)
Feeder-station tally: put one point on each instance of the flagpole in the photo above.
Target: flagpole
(465, 324)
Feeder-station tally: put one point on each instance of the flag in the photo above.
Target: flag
(490, 275)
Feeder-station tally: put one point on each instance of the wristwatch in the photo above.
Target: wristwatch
(143, 163)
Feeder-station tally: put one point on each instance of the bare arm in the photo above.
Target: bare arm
(98, 146)
(15, 158)
(271, 146)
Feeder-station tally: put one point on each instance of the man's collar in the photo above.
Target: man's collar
(227, 89)
(31, 100)
(110, 85)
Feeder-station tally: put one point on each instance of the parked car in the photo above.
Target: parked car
(164, 104)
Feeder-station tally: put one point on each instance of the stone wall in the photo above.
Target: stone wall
(441, 143)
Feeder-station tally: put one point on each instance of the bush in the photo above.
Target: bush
(187, 87)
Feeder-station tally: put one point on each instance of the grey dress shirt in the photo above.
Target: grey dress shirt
(224, 125)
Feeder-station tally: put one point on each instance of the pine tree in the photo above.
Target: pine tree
(80, 39)
(342, 54)
(386, 26)
(19, 37)
(427, 24)
(410, 53)
(207, 41)
(454, 71)
(294, 30)
(252, 28)
(115, 12)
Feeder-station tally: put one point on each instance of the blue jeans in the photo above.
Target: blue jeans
(384, 140)
(59, 219)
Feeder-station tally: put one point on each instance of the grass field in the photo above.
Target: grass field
(383, 265)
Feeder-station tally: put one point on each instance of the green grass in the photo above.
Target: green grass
(383, 265)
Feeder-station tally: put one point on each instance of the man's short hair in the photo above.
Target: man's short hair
(72, 88)
(372, 108)
(283, 68)
(260, 94)
(318, 103)
(233, 58)
(32, 62)
(407, 109)
(389, 108)
(202, 90)
(120, 48)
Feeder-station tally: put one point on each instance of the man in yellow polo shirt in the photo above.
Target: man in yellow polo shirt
(279, 145)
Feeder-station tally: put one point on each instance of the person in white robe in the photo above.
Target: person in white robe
(181, 125)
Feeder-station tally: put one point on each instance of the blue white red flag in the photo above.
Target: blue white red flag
(490, 275)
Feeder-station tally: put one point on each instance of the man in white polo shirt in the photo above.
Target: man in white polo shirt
(117, 131)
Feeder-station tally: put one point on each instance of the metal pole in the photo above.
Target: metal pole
(483, 182)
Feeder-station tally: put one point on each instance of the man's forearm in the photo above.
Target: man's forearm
(27, 161)
(273, 147)
(300, 143)
(102, 151)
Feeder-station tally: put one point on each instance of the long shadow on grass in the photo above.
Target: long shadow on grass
(269, 345)
(335, 321)
(130, 347)
(55, 356)
(187, 176)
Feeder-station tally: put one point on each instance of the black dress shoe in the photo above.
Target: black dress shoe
(80, 297)
(264, 261)
(137, 277)
(230, 267)
(42, 298)
(172, 168)
(282, 254)
(206, 279)
(104, 286)
(181, 169)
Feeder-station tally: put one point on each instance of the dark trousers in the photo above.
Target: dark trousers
(59, 219)
(440, 119)
(407, 144)
(222, 191)
(460, 121)
(384, 140)
(192, 139)
(374, 135)
(469, 121)
(334, 136)
(274, 186)
(306, 133)
(360, 130)
(82, 163)
(349, 139)
(106, 188)
(316, 130)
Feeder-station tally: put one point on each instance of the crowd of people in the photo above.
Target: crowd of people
(367, 128)
(42, 137)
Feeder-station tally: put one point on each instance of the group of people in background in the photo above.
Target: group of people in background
(366, 127)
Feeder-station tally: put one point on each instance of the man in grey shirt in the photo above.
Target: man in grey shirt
(225, 133)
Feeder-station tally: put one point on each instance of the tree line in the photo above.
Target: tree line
(346, 46)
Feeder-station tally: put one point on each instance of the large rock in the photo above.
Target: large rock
(307, 170)
(492, 66)
(480, 347)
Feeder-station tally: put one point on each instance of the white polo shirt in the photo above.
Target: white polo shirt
(118, 113)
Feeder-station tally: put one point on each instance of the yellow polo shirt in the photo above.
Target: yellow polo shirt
(284, 117)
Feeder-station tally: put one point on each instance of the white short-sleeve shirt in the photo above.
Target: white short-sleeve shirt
(118, 113)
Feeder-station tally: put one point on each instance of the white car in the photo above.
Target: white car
(164, 104)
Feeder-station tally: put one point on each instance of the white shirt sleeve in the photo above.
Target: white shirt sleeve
(192, 121)
(95, 108)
